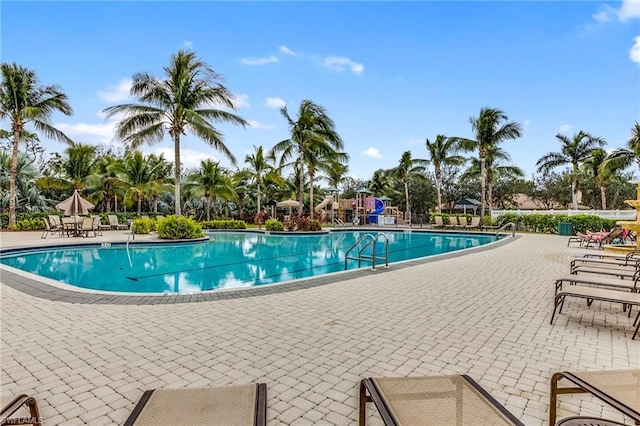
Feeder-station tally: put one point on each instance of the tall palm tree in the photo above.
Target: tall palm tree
(260, 168)
(489, 130)
(24, 101)
(75, 168)
(574, 152)
(27, 192)
(494, 169)
(209, 182)
(406, 168)
(601, 174)
(313, 136)
(184, 100)
(380, 183)
(443, 152)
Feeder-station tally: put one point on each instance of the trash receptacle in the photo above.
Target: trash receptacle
(565, 228)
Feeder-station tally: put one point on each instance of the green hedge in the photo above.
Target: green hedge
(224, 224)
(179, 228)
(29, 225)
(548, 223)
(143, 226)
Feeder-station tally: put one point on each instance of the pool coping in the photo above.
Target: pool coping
(42, 290)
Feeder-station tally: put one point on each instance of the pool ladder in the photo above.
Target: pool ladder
(371, 240)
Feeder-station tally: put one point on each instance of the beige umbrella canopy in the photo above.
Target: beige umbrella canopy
(290, 204)
(75, 205)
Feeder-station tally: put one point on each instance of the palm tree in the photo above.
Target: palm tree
(443, 152)
(74, 169)
(574, 152)
(209, 182)
(623, 157)
(140, 174)
(408, 166)
(184, 100)
(23, 101)
(27, 192)
(489, 130)
(313, 137)
(601, 173)
(494, 169)
(261, 168)
(380, 183)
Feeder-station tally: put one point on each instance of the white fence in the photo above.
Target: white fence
(605, 214)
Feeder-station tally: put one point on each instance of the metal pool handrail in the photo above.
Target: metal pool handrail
(513, 229)
(372, 240)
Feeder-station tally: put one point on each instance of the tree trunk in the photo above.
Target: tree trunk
(439, 190)
(311, 176)
(208, 207)
(13, 177)
(139, 197)
(176, 190)
(574, 194)
(603, 196)
(483, 183)
(301, 189)
(408, 206)
(259, 195)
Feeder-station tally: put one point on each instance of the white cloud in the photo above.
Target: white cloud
(526, 124)
(260, 61)
(257, 125)
(241, 101)
(101, 133)
(188, 44)
(338, 64)
(188, 157)
(116, 93)
(275, 102)
(630, 9)
(602, 16)
(564, 128)
(285, 50)
(634, 53)
(372, 152)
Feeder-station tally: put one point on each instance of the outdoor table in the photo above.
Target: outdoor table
(433, 400)
(71, 225)
(618, 388)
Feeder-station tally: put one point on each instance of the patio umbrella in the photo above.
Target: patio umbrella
(289, 204)
(75, 205)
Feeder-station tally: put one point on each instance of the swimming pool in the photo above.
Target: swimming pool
(228, 260)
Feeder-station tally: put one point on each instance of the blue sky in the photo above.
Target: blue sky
(390, 74)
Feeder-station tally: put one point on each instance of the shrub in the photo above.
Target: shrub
(29, 225)
(142, 226)
(224, 224)
(273, 225)
(548, 223)
(306, 224)
(178, 228)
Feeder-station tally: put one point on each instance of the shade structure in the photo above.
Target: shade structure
(290, 204)
(75, 205)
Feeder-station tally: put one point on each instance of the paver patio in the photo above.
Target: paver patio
(485, 314)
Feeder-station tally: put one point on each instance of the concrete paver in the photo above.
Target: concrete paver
(485, 314)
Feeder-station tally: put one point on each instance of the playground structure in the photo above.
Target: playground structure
(362, 210)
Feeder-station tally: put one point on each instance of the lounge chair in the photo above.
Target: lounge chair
(432, 400)
(231, 405)
(438, 223)
(48, 229)
(113, 222)
(618, 388)
(597, 281)
(602, 294)
(607, 262)
(453, 222)
(10, 414)
(474, 224)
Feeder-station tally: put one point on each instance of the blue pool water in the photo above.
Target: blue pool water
(229, 260)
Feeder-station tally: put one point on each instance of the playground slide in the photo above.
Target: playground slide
(377, 210)
(323, 204)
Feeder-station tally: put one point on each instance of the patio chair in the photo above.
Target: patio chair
(11, 414)
(48, 229)
(453, 222)
(113, 222)
(432, 400)
(88, 226)
(231, 405)
(474, 224)
(618, 388)
(438, 223)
